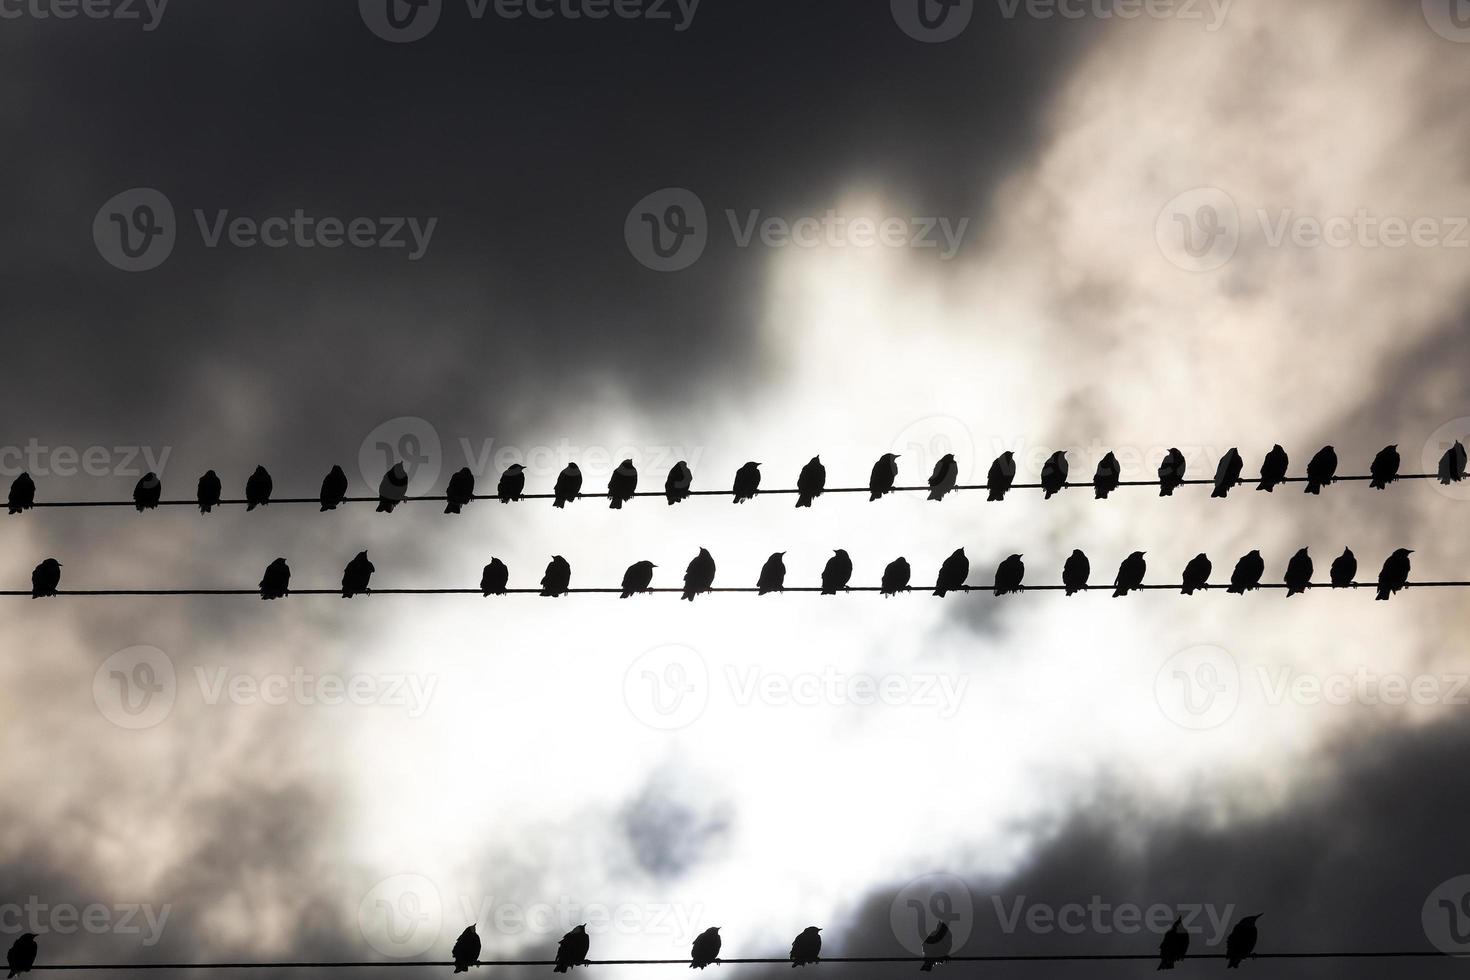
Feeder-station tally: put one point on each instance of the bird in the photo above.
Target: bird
(356, 575)
(277, 580)
(1385, 468)
(637, 578)
(946, 474)
(1106, 479)
(147, 492)
(461, 490)
(676, 486)
(1247, 574)
(572, 950)
(1451, 465)
(837, 573)
(700, 575)
(258, 488)
(392, 488)
(568, 485)
(334, 488)
(466, 950)
(706, 948)
(1298, 576)
(1394, 575)
(512, 483)
(1227, 473)
(811, 482)
(209, 491)
(896, 577)
(1241, 943)
(885, 471)
(494, 578)
(622, 485)
(1054, 474)
(22, 954)
(747, 482)
(1175, 945)
(1002, 474)
(1344, 568)
(45, 578)
(558, 577)
(936, 947)
(773, 575)
(1130, 574)
(1197, 573)
(1075, 572)
(1171, 472)
(1008, 576)
(23, 493)
(806, 947)
(1321, 470)
(952, 574)
(1273, 469)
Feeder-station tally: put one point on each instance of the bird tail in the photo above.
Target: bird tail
(1382, 594)
(1313, 487)
(928, 967)
(558, 503)
(1220, 492)
(615, 503)
(1187, 590)
(996, 495)
(1119, 592)
(385, 507)
(872, 496)
(560, 968)
(803, 501)
(688, 594)
(1377, 484)
(1166, 490)
(625, 593)
(451, 508)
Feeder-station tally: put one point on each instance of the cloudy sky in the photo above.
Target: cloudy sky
(476, 234)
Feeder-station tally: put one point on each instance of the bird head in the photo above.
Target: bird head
(958, 553)
(1015, 558)
(817, 460)
(515, 468)
(1253, 918)
(890, 457)
(1178, 922)
(573, 468)
(1403, 552)
(581, 928)
(29, 935)
(1137, 554)
(626, 464)
(362, 554)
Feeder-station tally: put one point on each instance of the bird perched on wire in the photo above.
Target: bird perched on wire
(22, 493)
(1322, 470)
(276, 582)
(936, 947)
(1197, 574)
(946, 474)
(706, 948)
(1008, 576)
(22, 954)
(494, 578)
(1298, 576)
(1175, 945)
(811, 482)
(622, 485)
(952, 574)
(1054, 474)
(773, 575)
(148, 492)
(1130, 574)
(1344, 568)
(806, 947)
(896, 577)
(512, 483)
(466, 950)
(837, 573)
(677, 483)
(1394, 574)
(392, 488)
(637, 578)
(572, 950)
(1227, 473)
(568, 485)
(1002, 474)
(1075, 572)
(557, 579)
(461, 490)
(700, 575)
(1247, 574)
(1273, 469)
(1171, 472)
(747, 482)
(1241, 943)
(1385, 468)
(209, 491)
(45, 578)
(258, 488)
(881, 480)
(1451, 465)
(334, 489)
(1109, 474)
(356, 575)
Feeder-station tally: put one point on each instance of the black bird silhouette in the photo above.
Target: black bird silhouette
(1130, 574)
(466, 950)
(837, 573)
(1002, 474)
(1197, 573)
(896, 577)
(1395, 573)
(334, 488)
(1175, 945)
(1273, 469)
(494, 578)
(946, 474)
(678, 482)
(147, 492)
(1107, 477)
(356, 575)
(568, 485)
(23, 493)
(45, 578)
(1054, 474)
(558, 577)
(747, 482)
(700, 575)
(1451, 465)
(461, 490)
(1322, 470)
(512, 483)
(1344, 568)
(936, 947)
(706, 948)
(1385, 468)
(885, 471)
(622, 484)
(392, 488)
(1076, 571)
(1298, 576)
(572, 950)
(22, 954)
(773, 575)
(276, 582)
(1008, 576)
(1227, 473)
(258, 488)
(811, 482)
(1247, 574)
(1171, 472)
(637, 578)
(1241, 943)
(952, 574)
(209, 491)
(806, 947)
